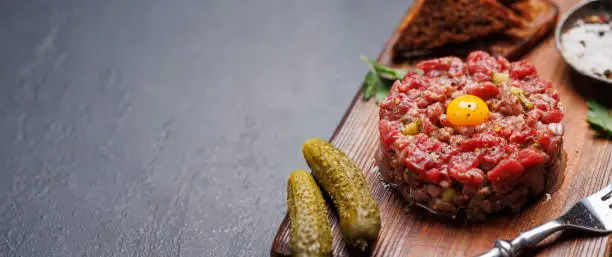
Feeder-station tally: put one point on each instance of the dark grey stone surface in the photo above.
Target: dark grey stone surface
(168, 128)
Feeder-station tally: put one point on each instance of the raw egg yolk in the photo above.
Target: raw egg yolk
(467, 110)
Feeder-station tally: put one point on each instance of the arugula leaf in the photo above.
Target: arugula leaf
(599, 117)
(379, 80)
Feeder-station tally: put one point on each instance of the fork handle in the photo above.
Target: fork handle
(526, 239)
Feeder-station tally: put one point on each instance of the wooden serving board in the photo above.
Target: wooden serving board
(413, 232)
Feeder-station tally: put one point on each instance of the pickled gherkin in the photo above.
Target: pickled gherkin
(344, 182)
(310, 230)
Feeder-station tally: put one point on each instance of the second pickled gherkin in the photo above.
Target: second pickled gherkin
(344, 182)
(310, 231)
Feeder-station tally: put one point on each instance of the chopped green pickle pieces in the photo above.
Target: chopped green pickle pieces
(449, 195)
(499, 78)
(413, 128)
(520, 93)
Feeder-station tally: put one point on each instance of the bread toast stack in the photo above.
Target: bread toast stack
(456, 27)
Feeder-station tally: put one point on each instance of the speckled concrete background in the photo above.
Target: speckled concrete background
(168, 128)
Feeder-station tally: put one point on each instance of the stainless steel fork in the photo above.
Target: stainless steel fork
(593, 214)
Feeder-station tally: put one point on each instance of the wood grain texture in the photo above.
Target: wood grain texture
(413, 232)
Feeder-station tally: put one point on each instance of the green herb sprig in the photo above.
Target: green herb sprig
(380, 78)
(599, 117)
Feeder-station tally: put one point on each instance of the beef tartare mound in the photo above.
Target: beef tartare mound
(478, 136)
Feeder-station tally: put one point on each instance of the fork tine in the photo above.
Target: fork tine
(602, 195)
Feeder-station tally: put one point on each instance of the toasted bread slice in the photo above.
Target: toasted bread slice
(529, 12)
(433, 23)
(537, 18)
